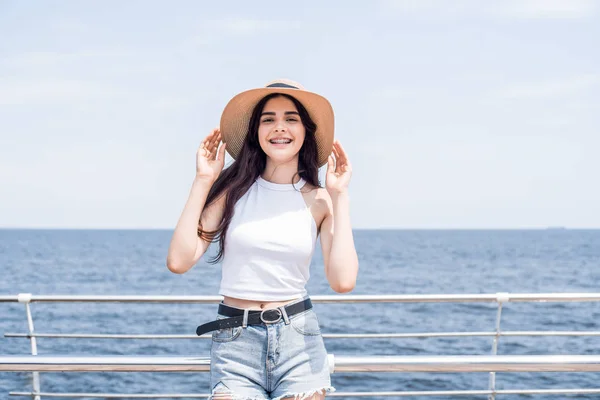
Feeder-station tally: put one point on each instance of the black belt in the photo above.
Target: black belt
(255, 317)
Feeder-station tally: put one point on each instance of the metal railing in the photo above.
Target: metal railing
(545, 363)
(466, 363)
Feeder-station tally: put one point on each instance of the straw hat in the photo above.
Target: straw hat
(236, 116)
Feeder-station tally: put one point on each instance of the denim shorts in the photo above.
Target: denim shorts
(270, 361)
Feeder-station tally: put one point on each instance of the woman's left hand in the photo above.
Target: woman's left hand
(339, 170)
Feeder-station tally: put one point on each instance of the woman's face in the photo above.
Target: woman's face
(280, 131)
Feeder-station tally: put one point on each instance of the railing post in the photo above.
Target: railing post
(26, 299)
(500, 298)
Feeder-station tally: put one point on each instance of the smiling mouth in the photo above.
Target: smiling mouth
(280, 141)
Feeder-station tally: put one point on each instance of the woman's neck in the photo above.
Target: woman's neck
(281, 173)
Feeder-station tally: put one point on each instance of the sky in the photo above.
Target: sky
(458, 114)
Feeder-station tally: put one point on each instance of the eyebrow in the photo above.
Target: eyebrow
(286, 113)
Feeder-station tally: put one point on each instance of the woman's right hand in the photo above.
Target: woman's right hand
(210, 159)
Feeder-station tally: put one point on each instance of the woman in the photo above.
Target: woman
(266, 210)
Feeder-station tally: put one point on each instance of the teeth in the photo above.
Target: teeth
(281, 141)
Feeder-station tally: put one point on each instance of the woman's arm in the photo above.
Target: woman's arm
(186, 246)
(337, 241)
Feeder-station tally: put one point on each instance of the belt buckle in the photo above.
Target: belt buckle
(271, 321)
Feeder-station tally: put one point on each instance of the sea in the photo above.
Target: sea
(399, 262)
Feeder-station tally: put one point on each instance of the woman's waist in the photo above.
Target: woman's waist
(258, 304)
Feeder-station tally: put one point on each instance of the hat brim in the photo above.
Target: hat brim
(235, 119)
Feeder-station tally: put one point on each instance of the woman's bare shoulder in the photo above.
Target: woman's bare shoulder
(317, 200)
(315, 191)
(319, 196)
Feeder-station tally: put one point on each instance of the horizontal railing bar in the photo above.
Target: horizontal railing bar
(550, 333)
(334, 394)
(115, 298)
(460, 334)
(325, 335)
(549, 391)
(477, 363)
(114, 395)
(464, 392)
(104, 336)
(496, 363)
(436, 298)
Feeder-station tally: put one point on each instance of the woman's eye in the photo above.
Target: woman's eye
(267, 120)
(292, 119)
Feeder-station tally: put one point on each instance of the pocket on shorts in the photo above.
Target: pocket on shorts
(306, 323)
(227, 334)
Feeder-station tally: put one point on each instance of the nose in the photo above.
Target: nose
(280, 127)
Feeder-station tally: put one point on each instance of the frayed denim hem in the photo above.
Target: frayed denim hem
(233, 396)
(221, 391)
(306, 395)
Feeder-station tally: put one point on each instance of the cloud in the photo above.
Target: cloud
(43, 61)
(170, 103)
(37, 59)
(431, 7)
(513, 9)
(249, 26)
(70, 25)
(46, 78)
(77, 93)
(558, 9)
(548, 89)
(213, 31)
(53, 91)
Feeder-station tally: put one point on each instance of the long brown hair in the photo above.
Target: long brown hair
(235, 180)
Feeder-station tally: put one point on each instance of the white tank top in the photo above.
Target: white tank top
(269, 244)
